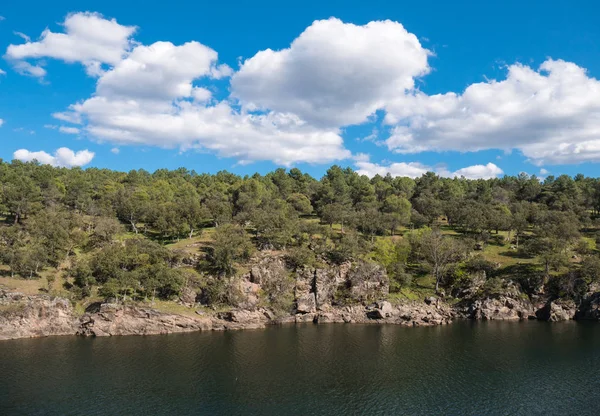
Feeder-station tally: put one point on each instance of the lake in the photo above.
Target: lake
(467, 368)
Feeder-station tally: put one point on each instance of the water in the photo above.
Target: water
(466, 368)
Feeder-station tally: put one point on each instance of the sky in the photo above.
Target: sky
(463, 88)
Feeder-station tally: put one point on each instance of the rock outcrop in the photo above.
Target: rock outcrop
(500, 308)
(589, 308)
(555, 311)
(110, 319)
(23, 316)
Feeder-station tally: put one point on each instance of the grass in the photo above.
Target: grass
(25, 286)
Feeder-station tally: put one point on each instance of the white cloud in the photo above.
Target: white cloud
(2, 72)
(68, 116)
(544, 171)
(115, 150)
(291, 105)
(68, 130)
(201, 95)
(551, 115)
(411, 169)
(63, 157)
(1, 122)
(150, 98)
(416, 169)
(88, 38)
(22, 36)
(479, 172)
(334, 73)
(282, 138)
(25, 68)
(159, 71)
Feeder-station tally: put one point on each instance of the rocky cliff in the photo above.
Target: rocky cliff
(347, 293)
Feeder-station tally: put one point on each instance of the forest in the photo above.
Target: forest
(140, 236)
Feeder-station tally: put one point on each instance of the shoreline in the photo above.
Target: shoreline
(35, 316)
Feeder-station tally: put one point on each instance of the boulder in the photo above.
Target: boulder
(556, 311)
(500, 308)
(382, 311)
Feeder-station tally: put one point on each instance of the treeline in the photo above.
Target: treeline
(55, 215)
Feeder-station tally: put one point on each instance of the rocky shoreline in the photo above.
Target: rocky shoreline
(29, 316)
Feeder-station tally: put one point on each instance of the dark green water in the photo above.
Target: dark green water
(466, 368)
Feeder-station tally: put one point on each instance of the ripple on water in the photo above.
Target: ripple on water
(491, 368)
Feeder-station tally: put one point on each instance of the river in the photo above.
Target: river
(467, 368)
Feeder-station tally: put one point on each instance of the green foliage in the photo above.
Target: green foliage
(57, 218)
(231, 244)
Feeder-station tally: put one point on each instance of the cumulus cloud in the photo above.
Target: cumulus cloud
(160, 71)
(150, 97)
(1, 122)
(334, 73)
(479, 172)
(63, 157)
(292, 105)
(282, 138)
(88, 38)
(552, 115)
(416, 169)
(2, 72)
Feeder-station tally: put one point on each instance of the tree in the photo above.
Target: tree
(554, 231)
(397, 212)
(231, 244)
(439, 252)
(276, 223)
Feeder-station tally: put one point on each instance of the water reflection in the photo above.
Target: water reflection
(464, 368)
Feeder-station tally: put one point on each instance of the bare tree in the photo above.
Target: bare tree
(439, 252)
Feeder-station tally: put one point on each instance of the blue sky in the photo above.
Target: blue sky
(473, 88)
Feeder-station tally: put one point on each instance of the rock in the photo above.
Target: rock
(267, 269)
(304, 318)
(304, 291)
(431, 300)
(114, 319)
(242, 319)
(24, 316)
(556, 311)
(249, 295)
(188, 296)
(589, 308)
(499, 308)
(330, 317)
(327, 282)
(306, 304)
(368, 282)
